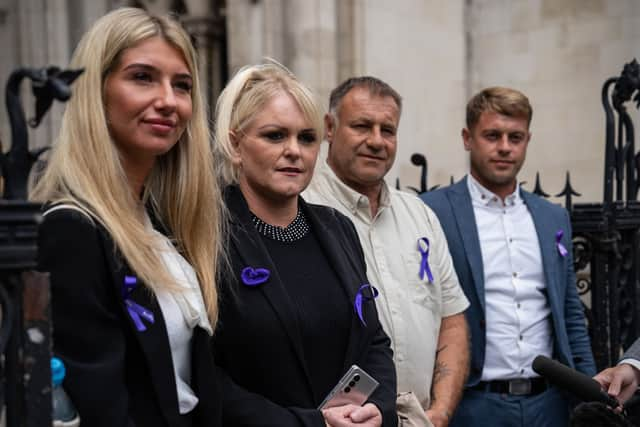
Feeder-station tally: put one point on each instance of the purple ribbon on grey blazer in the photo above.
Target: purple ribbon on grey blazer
(423, 247)
(361, 297)
(563, 251)
(136, 311)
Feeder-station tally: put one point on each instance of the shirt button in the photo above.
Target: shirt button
(510, 240)
(515, 274)
(520, 337)
(518, 306)
(522, 371)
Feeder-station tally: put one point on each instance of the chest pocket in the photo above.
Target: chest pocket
(420, 291)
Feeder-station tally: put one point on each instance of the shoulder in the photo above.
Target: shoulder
(69, 233)
(540, 203)
(404, 203)
(328, 214)
(67, 219)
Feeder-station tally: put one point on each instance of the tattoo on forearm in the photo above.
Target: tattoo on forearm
(441, 371)
(444, 347)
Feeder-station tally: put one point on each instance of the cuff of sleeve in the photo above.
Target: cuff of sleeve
(455, 308)
(633, 362)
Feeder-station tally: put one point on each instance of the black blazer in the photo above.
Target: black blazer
(258, 342)
(116, 376)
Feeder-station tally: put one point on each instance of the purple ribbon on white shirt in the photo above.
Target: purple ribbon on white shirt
(254, 276)
(423, 247)
(136, 311)
(563, 251)
(361, 297)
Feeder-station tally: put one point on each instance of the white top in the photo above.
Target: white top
(410, 308)
(182, 311)
(518, 316)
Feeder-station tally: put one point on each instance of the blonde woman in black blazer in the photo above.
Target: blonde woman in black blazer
(133, 287)
(296, 308)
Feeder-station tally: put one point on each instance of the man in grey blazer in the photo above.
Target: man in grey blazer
(622, 380)
(513, 255)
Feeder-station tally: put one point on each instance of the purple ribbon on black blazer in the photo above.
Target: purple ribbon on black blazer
(254, 276)
(365, 293)
(135, 310)
(563, 251)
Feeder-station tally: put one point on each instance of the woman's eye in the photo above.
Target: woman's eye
(142, 76)
(183, 86)
(307, 137)
(274, 136)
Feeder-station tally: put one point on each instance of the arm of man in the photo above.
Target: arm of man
(622, 381)
(451, 369)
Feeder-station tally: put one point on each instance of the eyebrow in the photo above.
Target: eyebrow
(152, 68)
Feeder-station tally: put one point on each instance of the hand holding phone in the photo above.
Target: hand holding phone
(354, 387)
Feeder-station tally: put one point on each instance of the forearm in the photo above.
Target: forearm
(452, 366)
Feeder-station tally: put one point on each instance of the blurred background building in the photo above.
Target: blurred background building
(436, 53)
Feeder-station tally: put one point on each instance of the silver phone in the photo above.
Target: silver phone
(354, 387)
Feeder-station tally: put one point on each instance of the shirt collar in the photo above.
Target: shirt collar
(480, 195)
(349, 197)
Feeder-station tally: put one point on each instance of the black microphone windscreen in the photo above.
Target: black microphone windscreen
(580, 385)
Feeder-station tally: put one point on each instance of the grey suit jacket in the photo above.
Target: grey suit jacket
(634, 351)
(453, 207)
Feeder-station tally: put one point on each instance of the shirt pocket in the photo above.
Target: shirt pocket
(420, 291)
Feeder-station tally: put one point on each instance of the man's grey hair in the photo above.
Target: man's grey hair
(375, 86)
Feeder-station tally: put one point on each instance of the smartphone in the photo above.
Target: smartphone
(354, 387)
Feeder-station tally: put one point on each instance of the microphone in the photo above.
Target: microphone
(580, 385)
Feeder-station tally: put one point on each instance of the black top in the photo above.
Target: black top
(321, 305)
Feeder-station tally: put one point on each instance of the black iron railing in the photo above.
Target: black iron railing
(25, 326)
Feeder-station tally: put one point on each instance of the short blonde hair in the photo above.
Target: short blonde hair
(501, 100)
(246, 94)
(85, 167)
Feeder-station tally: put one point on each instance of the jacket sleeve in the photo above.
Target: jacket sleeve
(377, 359)
(87, 330)
(633, 352)
(574, 315)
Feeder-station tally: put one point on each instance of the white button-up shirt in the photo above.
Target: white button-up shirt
(518, 316)
(410, 308)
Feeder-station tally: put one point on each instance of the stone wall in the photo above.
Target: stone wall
(436, 53)
(559, 53)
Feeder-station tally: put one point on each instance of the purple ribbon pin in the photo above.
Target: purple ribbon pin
(136, 311)
(423, 247)
(254, 276)
(563, 251)
(361, 297)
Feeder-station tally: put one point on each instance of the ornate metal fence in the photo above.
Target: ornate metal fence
(606, 235)
(25, 327)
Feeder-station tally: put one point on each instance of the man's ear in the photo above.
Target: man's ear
(466, 139)
(235, 148)
(329, 127)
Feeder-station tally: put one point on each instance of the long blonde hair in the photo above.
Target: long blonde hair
(246, 94)
(85, 168)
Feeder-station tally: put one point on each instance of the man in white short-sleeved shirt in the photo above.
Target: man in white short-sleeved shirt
(420, 303)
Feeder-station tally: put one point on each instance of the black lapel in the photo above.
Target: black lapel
(247, 242)
(153, 341)
(343, 259)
